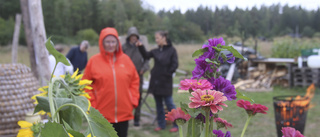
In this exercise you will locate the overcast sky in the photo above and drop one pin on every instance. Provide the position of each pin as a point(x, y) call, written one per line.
point(184, 5)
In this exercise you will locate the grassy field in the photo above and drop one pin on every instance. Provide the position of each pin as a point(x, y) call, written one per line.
point(260, 126)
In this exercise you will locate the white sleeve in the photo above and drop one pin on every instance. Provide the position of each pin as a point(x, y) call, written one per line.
point(69, 69)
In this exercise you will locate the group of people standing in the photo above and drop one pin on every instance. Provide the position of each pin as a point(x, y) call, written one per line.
point(117, 75)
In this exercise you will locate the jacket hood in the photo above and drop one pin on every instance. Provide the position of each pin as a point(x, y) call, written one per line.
point(132, 31)
point(105, 32)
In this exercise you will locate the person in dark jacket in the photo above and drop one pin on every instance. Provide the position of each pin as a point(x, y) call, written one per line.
point(78, 56)
point(165, 64)
point(141, 64)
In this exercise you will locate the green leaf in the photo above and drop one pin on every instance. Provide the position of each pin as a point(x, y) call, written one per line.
point(66, 125)
point(73, 117)
point(199, 52)
point(43, 104)
point(242, 96)
point(62, 101)
point(100, 126)
point(57, 55)
point(53, 130)
point(82, 102)
point(197, 125)
point(75, 133)
point(193, 112)
point(234, 52)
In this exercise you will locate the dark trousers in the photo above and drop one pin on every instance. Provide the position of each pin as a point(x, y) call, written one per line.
point(138, 109)
point(121, 128)
point(160, 109)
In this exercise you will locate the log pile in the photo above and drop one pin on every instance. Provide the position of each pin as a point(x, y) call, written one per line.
point(263, 79)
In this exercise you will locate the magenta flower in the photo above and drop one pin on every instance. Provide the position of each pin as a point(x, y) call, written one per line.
point(212, 99)
point(187, 84)
point(222, 123)
point(252, 109)
point(202, 84)
point(290, 132)
point(176, 114)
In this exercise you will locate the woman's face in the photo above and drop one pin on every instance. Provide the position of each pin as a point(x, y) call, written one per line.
point(110, 44)
point(160, 40)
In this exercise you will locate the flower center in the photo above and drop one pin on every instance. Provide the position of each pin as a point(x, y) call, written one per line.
point(207, 98)
point(199, 83)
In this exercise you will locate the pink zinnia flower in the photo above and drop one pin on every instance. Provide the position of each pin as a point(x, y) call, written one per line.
point(212, 99)
point(222, 123)
point(290, 132)
point(252, 109)
point(175, 114)
point(187, 84)
point(202, 84)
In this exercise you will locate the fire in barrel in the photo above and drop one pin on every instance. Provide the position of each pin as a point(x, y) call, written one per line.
point(291, 111)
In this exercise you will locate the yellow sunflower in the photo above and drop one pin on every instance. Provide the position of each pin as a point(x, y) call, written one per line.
point(25, 130)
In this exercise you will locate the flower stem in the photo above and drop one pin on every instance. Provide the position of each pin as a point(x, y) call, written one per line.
point(193, 126)
point(180, 130)
point(207, 123)
point(246, 125)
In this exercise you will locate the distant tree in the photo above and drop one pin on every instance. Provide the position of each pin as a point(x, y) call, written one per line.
point(308, 32)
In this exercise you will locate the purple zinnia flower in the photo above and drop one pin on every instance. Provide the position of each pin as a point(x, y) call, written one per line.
point(203, 118)
point(230, 58)
point(202, 66)
point(224, 86)
point(213, 43)
point(219, 133)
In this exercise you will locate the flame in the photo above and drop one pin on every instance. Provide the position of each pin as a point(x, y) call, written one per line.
point(294, 107)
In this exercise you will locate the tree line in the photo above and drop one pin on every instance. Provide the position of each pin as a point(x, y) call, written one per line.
point(70, 21)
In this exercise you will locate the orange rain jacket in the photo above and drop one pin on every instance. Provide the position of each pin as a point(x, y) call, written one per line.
point(115, 83)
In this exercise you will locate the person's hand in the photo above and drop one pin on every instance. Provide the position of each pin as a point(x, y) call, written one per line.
point(138, 43)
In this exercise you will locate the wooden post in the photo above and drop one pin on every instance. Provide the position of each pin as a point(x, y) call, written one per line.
point(39, 37)
point(15, 41)
point(28, 36)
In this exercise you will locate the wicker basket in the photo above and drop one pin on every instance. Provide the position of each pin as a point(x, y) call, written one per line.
point(17, 86)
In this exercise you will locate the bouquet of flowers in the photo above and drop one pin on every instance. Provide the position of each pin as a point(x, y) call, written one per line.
point(209, 94)
point(66, 104)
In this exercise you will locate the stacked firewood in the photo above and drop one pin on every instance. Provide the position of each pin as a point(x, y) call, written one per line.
point(263, 79)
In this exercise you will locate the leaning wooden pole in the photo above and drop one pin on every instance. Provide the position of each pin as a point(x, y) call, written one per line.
point(39, 37)
point(28, 36)
point(15, 40)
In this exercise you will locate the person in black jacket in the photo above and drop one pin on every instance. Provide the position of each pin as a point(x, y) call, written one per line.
point(78, 56)
point(141, 64)
point(165, 64)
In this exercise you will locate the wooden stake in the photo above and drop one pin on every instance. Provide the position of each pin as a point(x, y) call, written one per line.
point(28, 36)
point(15, 40)
point(39, 37)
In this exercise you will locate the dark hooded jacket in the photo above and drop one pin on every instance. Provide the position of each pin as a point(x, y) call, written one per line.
point(115, 82)
point(132, 51)
point(165, 64)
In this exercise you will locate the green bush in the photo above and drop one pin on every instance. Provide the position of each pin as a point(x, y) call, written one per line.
point(307, 32)
point(88, 34)
point(291, 48)
point(6, 31)
point(316, 35)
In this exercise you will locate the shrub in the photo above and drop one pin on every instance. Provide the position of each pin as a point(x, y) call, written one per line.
point(6, 33)
point(88, 34)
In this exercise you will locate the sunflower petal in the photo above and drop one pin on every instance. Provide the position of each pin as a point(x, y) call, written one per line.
point(88, 87)
point(24, 124)
point(85, 82)
point(75, 73)
point(25, 133)
point(79, 76)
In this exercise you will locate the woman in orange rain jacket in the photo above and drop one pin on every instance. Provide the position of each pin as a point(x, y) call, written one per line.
point(115, 83)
